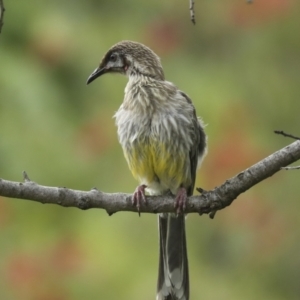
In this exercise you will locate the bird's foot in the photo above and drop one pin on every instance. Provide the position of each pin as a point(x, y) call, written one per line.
point(180, 201)
point(139, 196)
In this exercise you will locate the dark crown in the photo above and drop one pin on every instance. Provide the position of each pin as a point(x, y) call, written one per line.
point(142, 59)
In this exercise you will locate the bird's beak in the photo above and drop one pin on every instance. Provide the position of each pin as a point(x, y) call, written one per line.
point(98, 72)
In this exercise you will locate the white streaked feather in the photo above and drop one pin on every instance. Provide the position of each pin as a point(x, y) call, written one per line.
point(173, 122)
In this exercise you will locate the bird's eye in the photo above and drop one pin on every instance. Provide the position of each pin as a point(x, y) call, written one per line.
point(113, 57)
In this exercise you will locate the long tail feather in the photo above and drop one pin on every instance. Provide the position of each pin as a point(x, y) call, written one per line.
point(173, 274)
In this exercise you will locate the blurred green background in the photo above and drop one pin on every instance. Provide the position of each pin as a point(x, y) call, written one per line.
point(241, 66)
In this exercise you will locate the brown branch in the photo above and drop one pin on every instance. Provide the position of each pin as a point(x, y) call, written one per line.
point(209, 202)
point(2, 10)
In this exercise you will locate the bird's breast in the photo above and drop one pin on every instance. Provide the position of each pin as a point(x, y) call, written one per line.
point(156, 147)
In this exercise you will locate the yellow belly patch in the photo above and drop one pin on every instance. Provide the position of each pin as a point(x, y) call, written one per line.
point(155, 162)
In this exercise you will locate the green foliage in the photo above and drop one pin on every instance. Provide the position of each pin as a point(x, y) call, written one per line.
point(240, 65)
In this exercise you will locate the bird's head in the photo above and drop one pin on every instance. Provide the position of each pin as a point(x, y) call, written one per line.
point(131, 59)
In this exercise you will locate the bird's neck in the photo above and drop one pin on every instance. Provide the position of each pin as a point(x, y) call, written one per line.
point(137, 94)
point(138, 71)
point(134, 78)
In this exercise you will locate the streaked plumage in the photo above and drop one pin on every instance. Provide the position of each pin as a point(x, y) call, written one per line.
point(163, 142)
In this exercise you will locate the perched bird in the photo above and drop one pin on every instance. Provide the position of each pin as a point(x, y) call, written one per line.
point(163, 142)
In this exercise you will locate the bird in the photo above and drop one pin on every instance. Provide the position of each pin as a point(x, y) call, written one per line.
point(163, 142)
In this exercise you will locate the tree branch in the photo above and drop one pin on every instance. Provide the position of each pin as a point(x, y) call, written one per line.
point(192, 11)
point(2, 10)
point(209, 202)
point(287, 134)
point(293, 137)
point(291, 168)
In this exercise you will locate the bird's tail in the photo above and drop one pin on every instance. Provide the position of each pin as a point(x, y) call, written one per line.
point(173, 273)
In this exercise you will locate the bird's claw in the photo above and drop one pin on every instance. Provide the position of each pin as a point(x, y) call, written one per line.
point(139, 196)
point(180, 201)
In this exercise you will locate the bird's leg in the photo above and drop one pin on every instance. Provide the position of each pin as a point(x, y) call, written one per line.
point(180, 201)
point(139, 196)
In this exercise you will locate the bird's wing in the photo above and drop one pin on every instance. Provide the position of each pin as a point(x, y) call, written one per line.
point(197, 150)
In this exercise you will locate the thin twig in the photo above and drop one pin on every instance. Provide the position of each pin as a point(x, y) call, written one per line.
point(293, 137)
point(207, 203)
point(291, 168)
point(2, 10)
point(26, 177)
point(287, 134)
point(192, 11)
